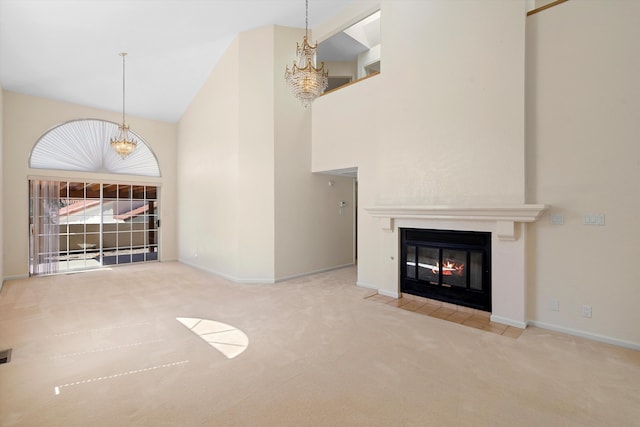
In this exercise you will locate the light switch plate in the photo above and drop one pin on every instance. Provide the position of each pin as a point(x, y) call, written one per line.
point(593, 219)
point(557, 219)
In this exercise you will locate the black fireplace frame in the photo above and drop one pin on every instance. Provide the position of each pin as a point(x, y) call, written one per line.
point(469, 241)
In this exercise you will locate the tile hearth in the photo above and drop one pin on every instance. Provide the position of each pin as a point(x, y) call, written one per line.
point(452, 313)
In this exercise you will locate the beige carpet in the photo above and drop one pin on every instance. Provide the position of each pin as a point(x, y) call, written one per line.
point(104, 348)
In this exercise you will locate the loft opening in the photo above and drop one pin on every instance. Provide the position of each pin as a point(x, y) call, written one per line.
point(352, 54)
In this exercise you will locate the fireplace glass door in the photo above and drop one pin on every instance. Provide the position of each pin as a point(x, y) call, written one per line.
point(450, 266)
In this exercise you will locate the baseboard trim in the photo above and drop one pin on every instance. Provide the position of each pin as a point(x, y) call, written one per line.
point(322, 270)
point(16, 277)
point(227, 276)
point(391, 294)
point(584, 334)
point(254, 281)
point(366, 285)
point(269, 281)
point(507, 321)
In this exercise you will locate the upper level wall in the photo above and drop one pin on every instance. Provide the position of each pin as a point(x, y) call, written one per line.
point(249, 204)
point(444, 121)
point(442, 124)
point(342, 69)
point(311, 232)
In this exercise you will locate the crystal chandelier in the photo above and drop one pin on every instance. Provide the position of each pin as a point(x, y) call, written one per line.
point(305, 80)
point(123, 144)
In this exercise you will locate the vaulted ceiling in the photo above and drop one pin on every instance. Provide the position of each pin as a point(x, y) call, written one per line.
point(68, 49)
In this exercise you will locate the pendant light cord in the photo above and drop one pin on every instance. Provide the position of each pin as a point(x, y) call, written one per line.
point(123, 54)
point(306, 19)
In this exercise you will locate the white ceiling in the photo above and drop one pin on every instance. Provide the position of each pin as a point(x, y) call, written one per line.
point(68, 49)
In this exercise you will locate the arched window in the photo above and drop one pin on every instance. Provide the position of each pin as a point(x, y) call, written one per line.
point(86, 223)
point(84, 145)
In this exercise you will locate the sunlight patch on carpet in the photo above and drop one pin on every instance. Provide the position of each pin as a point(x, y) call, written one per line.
point(228, 340)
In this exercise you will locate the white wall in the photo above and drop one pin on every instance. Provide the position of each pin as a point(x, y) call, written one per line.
point(254, 212)
point(446, 127)
point(1, 188)
point(226, 163)
point(540, 3)
point(208, 154)
point(442, 124)
point(583, 156)
point(367, 58)
point(312, 233)
point(342, 69)
point(256, 194)
point(25, 119)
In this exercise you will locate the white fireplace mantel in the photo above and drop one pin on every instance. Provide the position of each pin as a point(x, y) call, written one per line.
point(505, 216)
point(508, 247)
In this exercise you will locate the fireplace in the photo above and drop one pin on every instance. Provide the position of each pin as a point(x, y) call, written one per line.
point(446, 265)
point(506, 224)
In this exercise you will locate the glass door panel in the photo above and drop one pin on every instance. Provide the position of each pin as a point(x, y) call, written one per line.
point(78, 225)
point(476, 270)
point(453, 268)
point(44, 229)
point(428, 264)
point(411, 262)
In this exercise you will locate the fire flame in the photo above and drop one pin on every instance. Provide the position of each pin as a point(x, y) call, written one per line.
point(449, 268)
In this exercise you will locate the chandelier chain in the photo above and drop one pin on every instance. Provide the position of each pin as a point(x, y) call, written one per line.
point(123, 54)
point(123, 144)
point(305, 80)
point(306, 18)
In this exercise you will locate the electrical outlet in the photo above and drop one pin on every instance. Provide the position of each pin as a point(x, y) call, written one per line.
point(586, 311)
point(555, 305)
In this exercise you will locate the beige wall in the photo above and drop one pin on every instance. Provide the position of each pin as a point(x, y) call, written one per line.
point(1, 187)
point(447, 128)
point(540, 3)
point(256, 188)
point(208, 135)
point(342, 69)
point(226, 166)
point(444, 127)
point(25, 119)
point(311, 232)
point(583, 157)
point(250, 208)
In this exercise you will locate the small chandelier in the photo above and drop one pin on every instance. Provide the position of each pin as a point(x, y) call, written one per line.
point(305, 80)
point(123, 144)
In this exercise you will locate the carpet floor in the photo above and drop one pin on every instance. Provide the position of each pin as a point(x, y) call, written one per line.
point(105, 348)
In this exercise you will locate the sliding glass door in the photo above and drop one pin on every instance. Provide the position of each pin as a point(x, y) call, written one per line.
point(77, 225)
point(129, 224)
point(44, 244)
